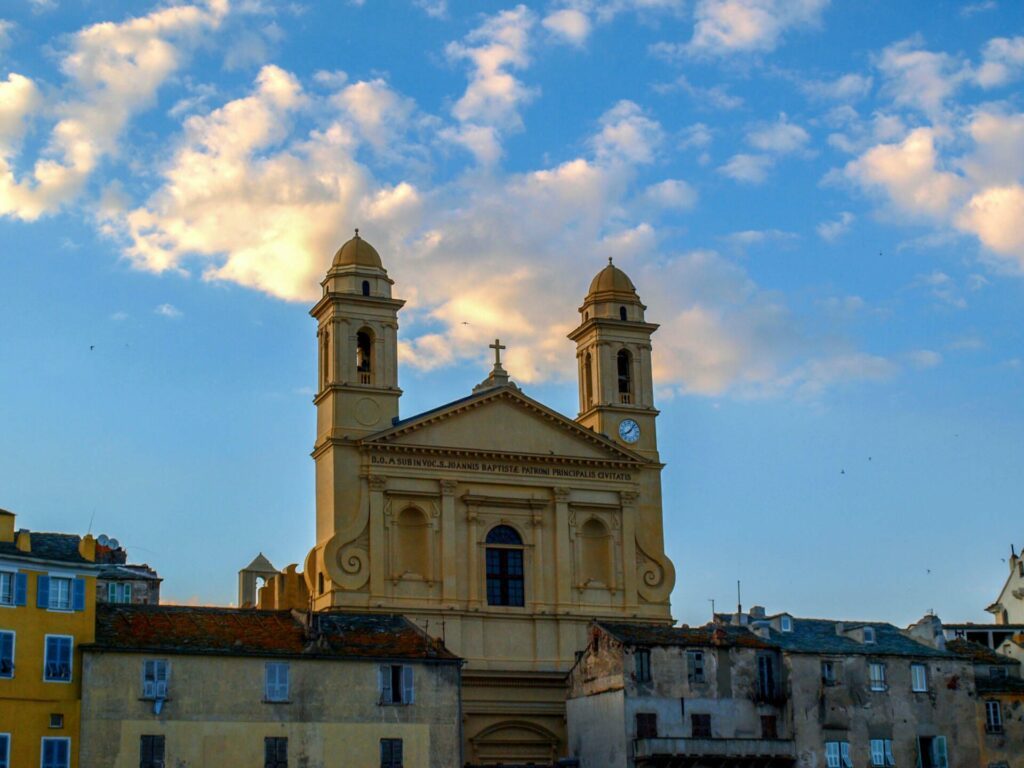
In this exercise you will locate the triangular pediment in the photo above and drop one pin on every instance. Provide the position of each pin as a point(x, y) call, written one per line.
point(506, 421)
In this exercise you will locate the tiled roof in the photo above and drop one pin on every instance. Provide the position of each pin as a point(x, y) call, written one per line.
point(252, 632)
point(708, 635)
point(128, 573)
point(820, 636)
point(978, 653)
point(970, 626)
point(62, 547)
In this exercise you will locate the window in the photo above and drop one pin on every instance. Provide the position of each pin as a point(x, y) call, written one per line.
point(504, 567)
point(366, 287)
point(642, 662)
point(7, 654)
point(837, 754)
point(276, 681)
point(918, 677)
point(119, 593)
point(997, 673)
point(828, 673)
point(695, 666)
point(364, 356)
point(60, 593)
point(622, 313)
point(876, 673)
point(588, 380)
point(931, 752)
point(56, 753)
point(151, 752)
point(993, 717)
point(786, 622)
point(624, 366)
point(646, 725)
point(769, 727)
point(5, 750)
point(154, 678)
point(869, 634)
point(13, 588)
point(766, 689)
point(57, 663)
point(56, 720)
point(700, 726)
point(395, 684)
point(275, 752)
point(390, 753)
point(881, 753)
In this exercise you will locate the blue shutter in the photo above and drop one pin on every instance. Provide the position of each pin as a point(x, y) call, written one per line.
point(78, 594)
point(20, 588)
point(43, 592)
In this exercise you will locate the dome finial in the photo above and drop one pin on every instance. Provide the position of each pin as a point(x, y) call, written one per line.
point(609, 258)
point(357, 233)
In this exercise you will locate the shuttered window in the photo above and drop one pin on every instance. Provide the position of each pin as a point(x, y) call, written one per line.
point(151, 751)
point(276, 681)
point(7, 654)
point(275, 752)
point(57, 659)
point(154, 678)
point(390, 753)
point(395, 684)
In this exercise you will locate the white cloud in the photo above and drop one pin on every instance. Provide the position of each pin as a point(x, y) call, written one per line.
point(569, 24)
point(671, 194)
point(836, 228)
point(6, 27)
point(723, 27)
point(996, 216)
point(627, 134)
point(494, 95)
point(166, 310)
point(114, 71)
point(920, 79)
point(379, 114)
point(1002, 62)
point(943, 288)
point(716, 96)
point(924, 358)
point(19, 99)
point(849, 87)
point(750, 237)
point(781, 137)
point(437, 9)
point(746, 168)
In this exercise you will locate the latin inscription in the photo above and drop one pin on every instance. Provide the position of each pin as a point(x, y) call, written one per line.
point(498, 467)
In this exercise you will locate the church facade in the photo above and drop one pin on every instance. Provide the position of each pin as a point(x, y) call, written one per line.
point(492, 521)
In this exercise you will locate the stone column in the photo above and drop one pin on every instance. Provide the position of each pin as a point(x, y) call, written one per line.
point(449, 556)
point(629, 587)
point(377, 485)
point(472, 513)
point(563, 554)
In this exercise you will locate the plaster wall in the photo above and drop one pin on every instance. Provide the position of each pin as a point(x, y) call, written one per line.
point(215, 713)
point(597, 731)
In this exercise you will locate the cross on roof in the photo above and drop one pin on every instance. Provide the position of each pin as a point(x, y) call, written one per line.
point(497, 346)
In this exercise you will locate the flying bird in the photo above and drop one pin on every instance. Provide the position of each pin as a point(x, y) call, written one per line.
point(92, 347)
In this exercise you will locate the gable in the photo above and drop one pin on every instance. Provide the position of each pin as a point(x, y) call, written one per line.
point(502, 422)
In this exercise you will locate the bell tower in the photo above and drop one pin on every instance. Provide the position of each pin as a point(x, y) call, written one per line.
point(613, 352)
point(357, 338)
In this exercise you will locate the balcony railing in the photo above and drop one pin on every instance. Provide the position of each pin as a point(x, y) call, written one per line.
point(364, 377)
point(720, 748)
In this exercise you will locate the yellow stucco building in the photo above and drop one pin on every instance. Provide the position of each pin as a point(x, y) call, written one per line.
point(47, 612)
point(492, 520)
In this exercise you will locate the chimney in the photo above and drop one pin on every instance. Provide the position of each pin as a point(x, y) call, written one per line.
point(24, 541)
point(6, 526)
point(928, 630)
point(87, 547)
point(757, 612)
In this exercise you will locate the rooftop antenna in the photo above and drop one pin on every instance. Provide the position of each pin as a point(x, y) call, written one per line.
point(739, 602)
point(712, 601)
point(93, 517)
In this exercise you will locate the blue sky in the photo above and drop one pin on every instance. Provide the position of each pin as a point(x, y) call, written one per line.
point(821, 203)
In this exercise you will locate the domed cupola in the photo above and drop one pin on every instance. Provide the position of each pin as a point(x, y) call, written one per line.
point(612, 296)
point(357, 268)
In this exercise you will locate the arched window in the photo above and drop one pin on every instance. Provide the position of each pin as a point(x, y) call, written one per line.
point(364, 356)
point(622, 313)
point(588, 381)
point(595, 554)
point(504, 566)
point(624, 363)
point(413, 542)
point(366, 287)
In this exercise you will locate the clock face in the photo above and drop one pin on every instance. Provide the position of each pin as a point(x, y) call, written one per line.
point(629, 430)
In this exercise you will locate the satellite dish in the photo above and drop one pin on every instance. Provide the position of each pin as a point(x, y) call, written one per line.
point(113, 543)
point(103, 540)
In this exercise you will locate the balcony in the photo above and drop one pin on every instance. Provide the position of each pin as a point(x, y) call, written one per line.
point(681, 752)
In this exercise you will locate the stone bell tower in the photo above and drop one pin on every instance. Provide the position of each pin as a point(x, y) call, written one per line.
point(357, 336)
point(613, 353)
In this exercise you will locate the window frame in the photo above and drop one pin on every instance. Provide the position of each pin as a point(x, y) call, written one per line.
point(695, 668)
point(869, 636)
point(837, 754)
point(704, 718)
point(993, 724)
point(50, 602)
point(272, 691)
point(510, 586)
point(14, 647)
point(391, 762)
point(386, 678)
point(152, 762)
point(881, 753)
point(831, 679)
point(165, 664)
point(918, 669)
point(71, 658)
point(642, 665)
point(786, 623)
point(877, 683)
point(54, 739)
point(649, 729)
point(12, 577)
point(5, 753)
point(275, 761)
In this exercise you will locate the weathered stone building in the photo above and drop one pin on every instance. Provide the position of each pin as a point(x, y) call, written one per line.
point(776, 690)
point(119, 581)
point(675, 696)
point(210, 687)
